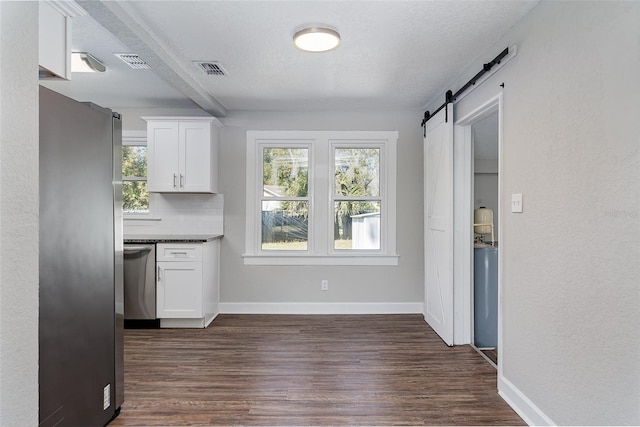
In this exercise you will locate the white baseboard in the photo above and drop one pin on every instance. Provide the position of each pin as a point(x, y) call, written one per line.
point(524, 407)
point(320, 308)
point(182, 323)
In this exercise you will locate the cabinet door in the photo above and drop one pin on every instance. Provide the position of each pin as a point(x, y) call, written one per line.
point(163, 154)
point(54, 41)
point(179, 290)
point(195, 157)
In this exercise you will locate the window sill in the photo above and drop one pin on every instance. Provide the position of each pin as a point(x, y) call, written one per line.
point(140, 217)
point(356, 259)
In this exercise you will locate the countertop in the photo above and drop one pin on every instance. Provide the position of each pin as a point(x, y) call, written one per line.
point(170, 238)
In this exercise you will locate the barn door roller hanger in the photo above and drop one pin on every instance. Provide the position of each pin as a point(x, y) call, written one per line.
point(451, 97)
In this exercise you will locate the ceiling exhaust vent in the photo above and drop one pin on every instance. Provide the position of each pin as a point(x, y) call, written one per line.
point(211, 68)
point(133, 61)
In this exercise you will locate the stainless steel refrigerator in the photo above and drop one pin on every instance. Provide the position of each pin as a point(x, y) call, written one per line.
point(81, 378)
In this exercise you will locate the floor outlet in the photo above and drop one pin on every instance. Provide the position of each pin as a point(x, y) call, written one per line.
point(325, 285)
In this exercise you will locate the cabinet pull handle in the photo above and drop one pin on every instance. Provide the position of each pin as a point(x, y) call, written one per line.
point(178, 253)
point(181, 181)
point(175, 177)
point(159, 276)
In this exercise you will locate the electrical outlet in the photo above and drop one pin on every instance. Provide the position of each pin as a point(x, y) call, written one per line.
point(325, 285)
point(106, 396)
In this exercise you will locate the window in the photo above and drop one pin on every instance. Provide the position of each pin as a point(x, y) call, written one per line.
point(285, 198)
point(356, 197)
point(135, 197)
point(317, 197)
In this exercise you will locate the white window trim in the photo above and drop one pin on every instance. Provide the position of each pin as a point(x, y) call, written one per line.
point(259, 146)
point(138, 138)
point(383, 197)
point(320, 247)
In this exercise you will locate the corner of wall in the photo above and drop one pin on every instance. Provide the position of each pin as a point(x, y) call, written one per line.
point(521, 404)
point(19, 272)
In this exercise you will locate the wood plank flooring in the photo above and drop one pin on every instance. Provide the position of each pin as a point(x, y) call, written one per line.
point(491, 354)
point(307, 370)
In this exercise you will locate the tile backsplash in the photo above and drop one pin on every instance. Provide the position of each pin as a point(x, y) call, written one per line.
point(180, 214)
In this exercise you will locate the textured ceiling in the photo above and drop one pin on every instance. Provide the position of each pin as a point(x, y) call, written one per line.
point(393, 55)
point(119, 85)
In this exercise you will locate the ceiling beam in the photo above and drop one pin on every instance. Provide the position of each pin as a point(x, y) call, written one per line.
point(112, 16)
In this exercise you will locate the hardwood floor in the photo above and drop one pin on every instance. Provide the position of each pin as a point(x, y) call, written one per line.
point(307, 370)
point(492, 355)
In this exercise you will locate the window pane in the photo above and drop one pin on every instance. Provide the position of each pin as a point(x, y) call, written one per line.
point(134, 160)
point(357, 172)
point(285, 225)
point(285, 172)
point(357, 225)
point(135, 197)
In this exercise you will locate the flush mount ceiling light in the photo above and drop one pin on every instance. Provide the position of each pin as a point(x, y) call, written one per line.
point(316, 39)
point(83, 62)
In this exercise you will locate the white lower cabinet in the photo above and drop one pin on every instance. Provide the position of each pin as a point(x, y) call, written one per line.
point(179, 290)
point(187, 280)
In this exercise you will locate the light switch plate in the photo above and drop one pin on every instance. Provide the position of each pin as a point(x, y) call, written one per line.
point(516, 203)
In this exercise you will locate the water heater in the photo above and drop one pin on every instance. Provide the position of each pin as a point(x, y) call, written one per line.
point(483, 221)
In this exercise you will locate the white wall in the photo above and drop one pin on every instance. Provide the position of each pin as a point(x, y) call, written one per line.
point(485, 167)
point(384, 285)
point(485, 190)
point(18, 213)
point(180, 214)
point(570, 272)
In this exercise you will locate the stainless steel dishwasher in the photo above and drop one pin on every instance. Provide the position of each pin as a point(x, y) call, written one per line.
point(139, 281)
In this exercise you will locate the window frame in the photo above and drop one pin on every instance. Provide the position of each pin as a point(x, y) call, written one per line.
point(261, 198)
point(320, 246)
point(136, 139)
point(381, 197)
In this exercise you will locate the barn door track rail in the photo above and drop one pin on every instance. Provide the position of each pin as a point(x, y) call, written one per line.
point(451, 97)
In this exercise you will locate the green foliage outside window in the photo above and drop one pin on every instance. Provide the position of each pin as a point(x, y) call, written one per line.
point(286, 174)
point(287, 170)
point(285, 177)
point(135, 197)
point(357, 174)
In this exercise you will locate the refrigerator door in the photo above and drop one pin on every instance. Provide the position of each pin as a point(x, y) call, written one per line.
point(119, 259)
point(77, 263)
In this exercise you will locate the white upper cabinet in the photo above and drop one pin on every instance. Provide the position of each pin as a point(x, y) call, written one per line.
point(182, 154)
point(55, 38)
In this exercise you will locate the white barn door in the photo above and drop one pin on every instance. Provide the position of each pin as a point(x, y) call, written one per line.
point(438, 223)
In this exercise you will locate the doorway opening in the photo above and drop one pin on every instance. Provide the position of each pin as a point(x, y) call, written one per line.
point(477, 166)
point(485, 243)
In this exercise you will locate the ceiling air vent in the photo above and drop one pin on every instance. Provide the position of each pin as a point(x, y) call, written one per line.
point(133, 61)
point(211, 68)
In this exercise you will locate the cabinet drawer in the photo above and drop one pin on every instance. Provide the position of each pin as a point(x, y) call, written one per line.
point(179, 252)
